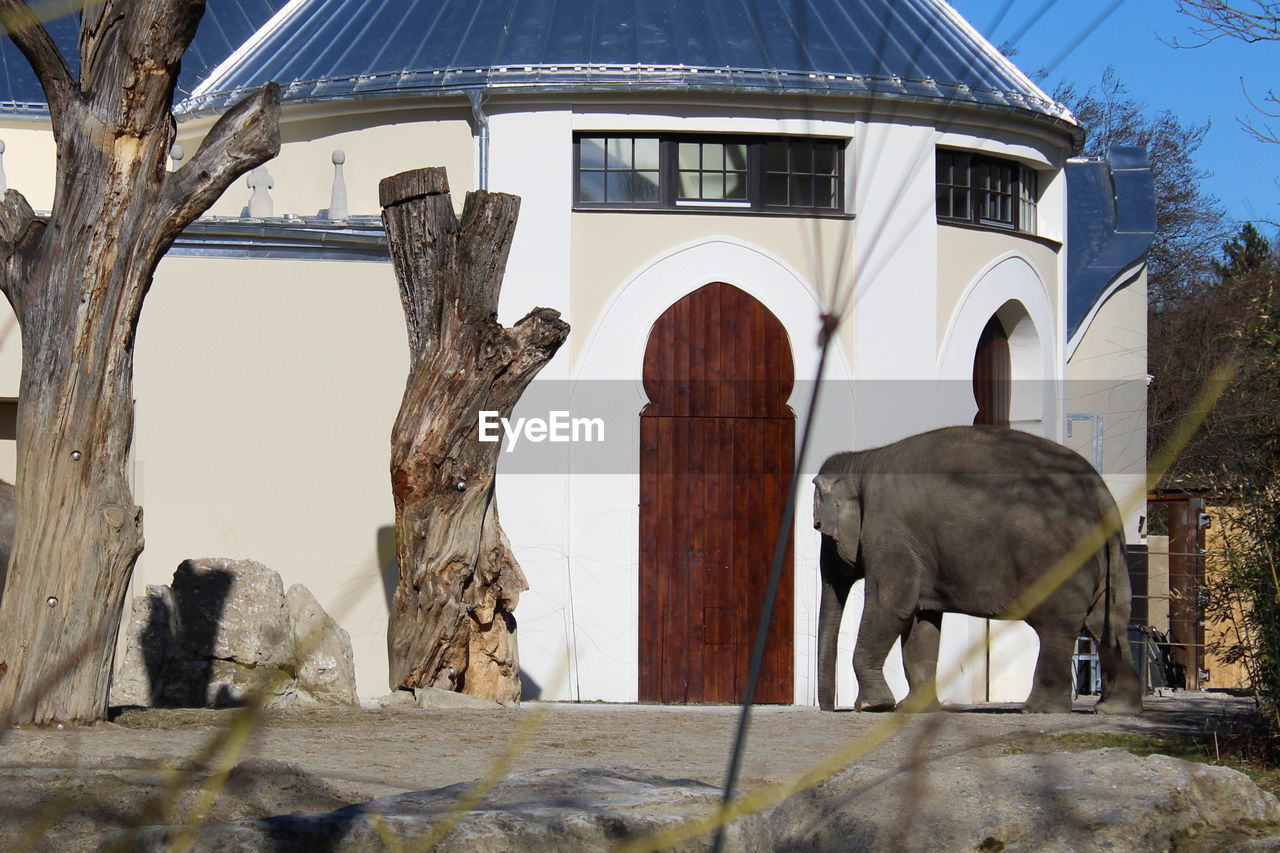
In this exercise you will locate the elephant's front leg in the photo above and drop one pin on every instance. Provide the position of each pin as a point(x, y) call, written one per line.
point(879, 628)
point(836, 582)
point(920, 659)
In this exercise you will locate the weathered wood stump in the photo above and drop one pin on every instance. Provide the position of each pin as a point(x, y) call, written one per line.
point(76, 280)
point(451, 622)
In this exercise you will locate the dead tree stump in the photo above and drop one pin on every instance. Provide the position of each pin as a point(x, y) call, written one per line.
point(76, 280)
point(451, 619)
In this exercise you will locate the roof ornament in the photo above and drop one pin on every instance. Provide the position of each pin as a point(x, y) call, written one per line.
point(4, 180)
point(260, 204)
point(338, 195)
point(176, 153)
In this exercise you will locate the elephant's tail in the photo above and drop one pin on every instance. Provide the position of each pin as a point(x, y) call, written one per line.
point(1108, 618)
point(1108, 622)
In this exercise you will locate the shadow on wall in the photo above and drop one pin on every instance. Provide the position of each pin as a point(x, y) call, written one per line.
point(529, 689)
point(199, 616)
point(387, 562)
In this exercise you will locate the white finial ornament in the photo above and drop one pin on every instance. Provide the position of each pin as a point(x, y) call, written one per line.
point(260, 204)
point(338, 195)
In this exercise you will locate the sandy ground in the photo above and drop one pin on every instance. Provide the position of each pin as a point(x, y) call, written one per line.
point(63, 789)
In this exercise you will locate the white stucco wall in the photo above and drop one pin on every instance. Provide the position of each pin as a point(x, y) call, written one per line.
point(1107, 377)
point(376, 145)
point(266, 392)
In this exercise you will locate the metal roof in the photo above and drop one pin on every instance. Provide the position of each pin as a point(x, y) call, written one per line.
point(1111, 221)
point(915, 49)
point(226, 25)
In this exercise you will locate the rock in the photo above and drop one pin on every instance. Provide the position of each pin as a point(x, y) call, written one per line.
point(225, 629)
point(232, 610)
point(437, 697)
point(1102, 800)
point(398, 700)
point(326, 669)
point(137, 678)
point(543, 810)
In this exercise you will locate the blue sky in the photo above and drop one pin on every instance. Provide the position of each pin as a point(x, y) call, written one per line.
point(1077, 39)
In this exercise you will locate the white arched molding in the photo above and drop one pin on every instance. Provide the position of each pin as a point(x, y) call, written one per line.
point(604, 522)
point(1012, 289)
point(980, 661)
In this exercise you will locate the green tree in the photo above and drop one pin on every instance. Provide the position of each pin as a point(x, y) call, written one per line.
point(1247, 252)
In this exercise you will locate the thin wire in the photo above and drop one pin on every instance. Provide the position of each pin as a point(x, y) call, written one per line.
point(829, 324)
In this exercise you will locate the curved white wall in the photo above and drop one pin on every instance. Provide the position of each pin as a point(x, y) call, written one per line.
point(982, 659)
point(595, 628)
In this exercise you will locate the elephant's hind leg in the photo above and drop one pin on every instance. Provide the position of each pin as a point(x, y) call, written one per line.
point(1121, 688)
point(920, 659)
point(1051, 684)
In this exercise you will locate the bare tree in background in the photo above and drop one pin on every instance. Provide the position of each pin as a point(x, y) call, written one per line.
point(1190, 224)
point(76, 281)
point(1250, 21)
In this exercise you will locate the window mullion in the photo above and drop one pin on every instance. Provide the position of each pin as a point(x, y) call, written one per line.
point(755, 174)
point(667, 170)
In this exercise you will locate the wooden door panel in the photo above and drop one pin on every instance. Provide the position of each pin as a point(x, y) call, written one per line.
point(717, 443)
point(993, 375)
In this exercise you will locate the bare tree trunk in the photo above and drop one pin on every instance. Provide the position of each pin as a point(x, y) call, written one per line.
point(76, 282)
point(451, 620)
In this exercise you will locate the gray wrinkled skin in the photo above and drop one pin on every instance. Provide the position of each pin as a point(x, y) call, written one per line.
point(965, 520)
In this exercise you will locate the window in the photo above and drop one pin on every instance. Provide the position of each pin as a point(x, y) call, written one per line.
point(724, 172)
point(985, 191)
point(712, 172)
point(619, 170)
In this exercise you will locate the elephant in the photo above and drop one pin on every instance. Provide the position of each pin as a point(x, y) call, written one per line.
point(964, 520)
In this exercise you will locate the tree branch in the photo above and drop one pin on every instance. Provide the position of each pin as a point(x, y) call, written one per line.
point(247, 136)
point(18, 225)
point(1220, 19)
point(29, 34)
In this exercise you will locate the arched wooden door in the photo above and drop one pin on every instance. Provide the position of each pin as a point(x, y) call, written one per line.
point(717, 442)
point(993, 375)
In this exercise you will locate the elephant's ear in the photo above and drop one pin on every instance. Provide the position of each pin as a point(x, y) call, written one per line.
point(824, 505)
point(837, 513)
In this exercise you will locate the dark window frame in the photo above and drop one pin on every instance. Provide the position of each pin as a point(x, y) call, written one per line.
point(757, 174)
point(986, 192)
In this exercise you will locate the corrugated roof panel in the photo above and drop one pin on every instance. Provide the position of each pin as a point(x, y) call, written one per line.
point(225, 26)
point(896, 48)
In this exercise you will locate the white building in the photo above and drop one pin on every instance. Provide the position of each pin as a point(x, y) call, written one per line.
point(699, 183)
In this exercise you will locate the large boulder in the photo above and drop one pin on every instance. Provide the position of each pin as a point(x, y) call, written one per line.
point(226, 628)
point(1107, 799)
point(541, 810)
point(1100, 800)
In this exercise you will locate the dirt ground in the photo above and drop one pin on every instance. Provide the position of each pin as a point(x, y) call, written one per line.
point(63, 789)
